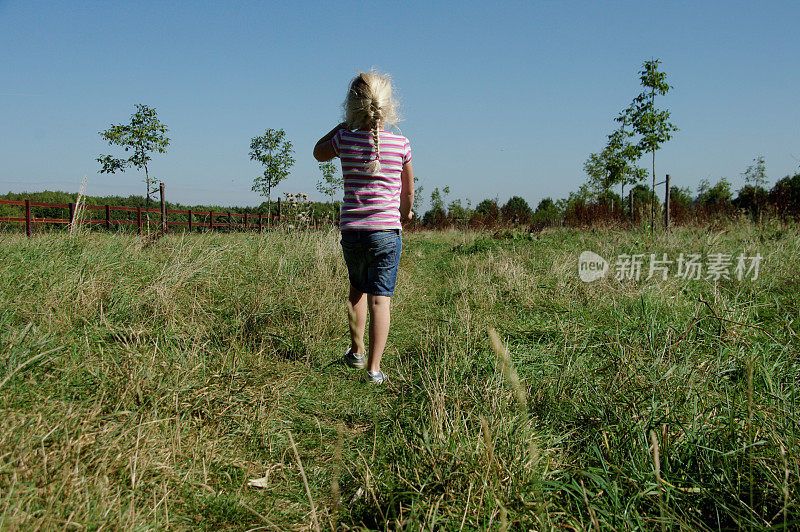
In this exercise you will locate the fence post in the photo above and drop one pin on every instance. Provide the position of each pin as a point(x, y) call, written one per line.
point(230, 222)
point(71, 213)
point(108, 217)
point(139, 219)
point(245, 222)
point(190, 220)
point(210, 220)
point(259, 222)
point(666, 206)
point(630, 204)
point(163, 208)
point(28, 217)
point(279, 212)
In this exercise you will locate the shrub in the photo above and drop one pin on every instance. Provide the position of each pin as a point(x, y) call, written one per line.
point(516, 211)
point(785, 196)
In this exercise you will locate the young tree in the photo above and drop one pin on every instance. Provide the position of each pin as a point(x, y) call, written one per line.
point(144, 135)
point(756, 177)
point(275, 153)
point(418, 189)
point(437, 214)
point(330, 183)
point(615, 164)
point(650, 123)
point(458, 213)
point(438, 198)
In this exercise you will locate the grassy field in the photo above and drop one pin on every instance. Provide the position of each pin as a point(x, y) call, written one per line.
point(144, 386)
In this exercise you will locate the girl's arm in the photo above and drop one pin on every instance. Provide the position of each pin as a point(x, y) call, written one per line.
point(406, 192)
point(323, 151)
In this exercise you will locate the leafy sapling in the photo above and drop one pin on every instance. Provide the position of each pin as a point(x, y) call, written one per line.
point(651, 124)
point(615, 164)
point(331, 183)
point(756, 177)
point(274, 151)
point(144, 135)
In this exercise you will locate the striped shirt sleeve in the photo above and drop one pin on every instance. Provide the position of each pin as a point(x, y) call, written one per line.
point(335, 140)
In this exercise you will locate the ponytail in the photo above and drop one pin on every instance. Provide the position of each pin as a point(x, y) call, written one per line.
point(374, 166)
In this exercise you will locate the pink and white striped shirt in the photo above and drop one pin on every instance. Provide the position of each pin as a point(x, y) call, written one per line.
point(371, 201)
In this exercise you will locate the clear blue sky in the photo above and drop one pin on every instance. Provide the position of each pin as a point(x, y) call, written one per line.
point(497, 101)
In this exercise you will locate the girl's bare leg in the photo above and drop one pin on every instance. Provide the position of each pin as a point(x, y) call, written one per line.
point(357, 319)
point(379, 317)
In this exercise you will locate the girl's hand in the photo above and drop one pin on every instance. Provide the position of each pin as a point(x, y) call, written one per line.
point(323, 151)
point(406, 192)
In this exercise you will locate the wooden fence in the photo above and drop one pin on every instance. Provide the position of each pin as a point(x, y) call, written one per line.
point(212, 220)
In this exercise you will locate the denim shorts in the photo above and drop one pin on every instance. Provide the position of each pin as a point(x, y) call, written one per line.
point(372, 258)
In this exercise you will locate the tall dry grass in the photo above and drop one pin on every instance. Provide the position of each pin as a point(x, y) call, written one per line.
point(143, 387)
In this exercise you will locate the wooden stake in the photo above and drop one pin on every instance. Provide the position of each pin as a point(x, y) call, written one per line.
point(163, 208)
point(666, 206)
point(28, 217)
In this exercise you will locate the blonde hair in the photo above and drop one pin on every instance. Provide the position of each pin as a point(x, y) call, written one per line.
point(369, 105)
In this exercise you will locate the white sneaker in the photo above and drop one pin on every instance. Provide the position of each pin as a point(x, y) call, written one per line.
point(355, 360)
point(376, 377)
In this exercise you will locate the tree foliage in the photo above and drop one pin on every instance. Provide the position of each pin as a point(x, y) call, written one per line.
point(650, 123)
point(754, 195)
point(458, 213)
point(437, 215)
point(488, 208)
point(616, 163)
point(680, 196)
point(785, 196)
point(438, 198)
point(547, 213)
point(274, 152)
point(516, 210)
point(717, 198)
point(142, 136)
point(418, 191)
point(331, 183)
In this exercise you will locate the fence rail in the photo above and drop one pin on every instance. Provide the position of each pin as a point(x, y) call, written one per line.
point(213, 220)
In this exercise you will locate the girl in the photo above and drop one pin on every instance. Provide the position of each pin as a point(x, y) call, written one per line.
point(378, 194)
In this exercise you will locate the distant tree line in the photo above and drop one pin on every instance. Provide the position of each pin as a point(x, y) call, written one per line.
point(590, 205)
point(586, 207)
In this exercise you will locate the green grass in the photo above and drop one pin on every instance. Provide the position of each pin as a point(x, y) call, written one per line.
point(143, 386)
